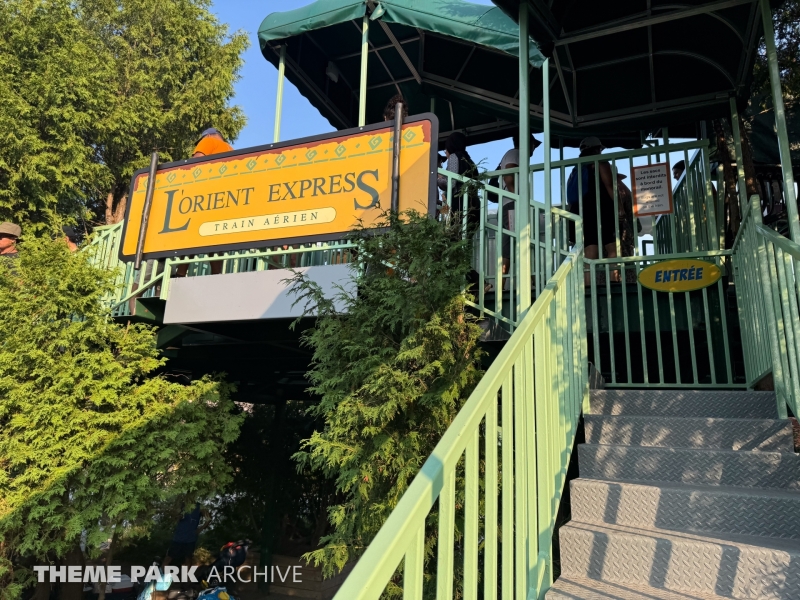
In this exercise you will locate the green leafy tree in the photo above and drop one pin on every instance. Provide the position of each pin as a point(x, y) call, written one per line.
point(393, 364)
point(92, 442)
point(88, 88)
point(53, 93)
point(786, 22)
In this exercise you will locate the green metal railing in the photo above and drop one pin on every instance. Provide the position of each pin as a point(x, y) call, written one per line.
point(153, 279)
point(489, 234)
point(506, 453)
point(693, 226)
point(496, 296)
point(768, 291)
point(640, 337)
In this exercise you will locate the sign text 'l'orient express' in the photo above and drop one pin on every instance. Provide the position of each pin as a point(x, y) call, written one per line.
point(302, 191)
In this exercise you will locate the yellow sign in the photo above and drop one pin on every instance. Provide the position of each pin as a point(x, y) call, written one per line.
point(680, 275)
point(297, 192)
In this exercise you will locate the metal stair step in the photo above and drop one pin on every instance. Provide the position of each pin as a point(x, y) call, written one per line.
point(699, 509)
point(691, 466)
point(741, 567)
point(680, 403)
point(770, 435)
point(580, 588)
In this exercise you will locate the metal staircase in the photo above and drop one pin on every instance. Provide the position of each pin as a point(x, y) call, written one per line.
point(683, 494)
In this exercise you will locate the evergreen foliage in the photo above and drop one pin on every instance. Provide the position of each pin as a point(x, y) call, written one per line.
point(88, 88)
point(92, 441)
point(393, 364)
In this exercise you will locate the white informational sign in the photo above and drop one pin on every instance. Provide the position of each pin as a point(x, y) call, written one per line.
point(652, 191)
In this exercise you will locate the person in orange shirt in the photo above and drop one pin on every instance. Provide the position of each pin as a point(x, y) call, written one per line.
point(211, 142)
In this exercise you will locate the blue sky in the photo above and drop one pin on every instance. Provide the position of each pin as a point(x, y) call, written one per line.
point(256, 90)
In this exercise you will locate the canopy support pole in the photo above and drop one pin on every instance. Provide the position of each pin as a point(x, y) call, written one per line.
point(548, 200)
point(362, 92)
point(737, 146)
point(780, 122)
point(522, 214)
point(276, 132)
point(148, 202)
point(398, 131)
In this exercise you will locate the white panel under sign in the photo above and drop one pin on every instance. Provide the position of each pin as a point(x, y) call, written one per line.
point(247, 296)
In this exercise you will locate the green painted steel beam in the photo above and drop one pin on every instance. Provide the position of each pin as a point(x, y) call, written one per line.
point(548, 171)
point(276, 132)
point(780, 122)
point(737, 145)
point(522, 212)
point(362, 89)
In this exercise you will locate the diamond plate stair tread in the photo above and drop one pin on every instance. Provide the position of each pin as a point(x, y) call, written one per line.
point(677, 403)
point(742, 567)
point(767, 435)
point(580, 588)
point(690, 465)
point(701, 509)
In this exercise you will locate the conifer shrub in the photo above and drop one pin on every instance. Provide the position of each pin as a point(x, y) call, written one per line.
point(393, 363)
point(93, 442)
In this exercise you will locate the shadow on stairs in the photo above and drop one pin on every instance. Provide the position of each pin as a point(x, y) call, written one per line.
point(683, 495)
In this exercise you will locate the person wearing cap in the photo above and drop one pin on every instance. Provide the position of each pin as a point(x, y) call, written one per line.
point(508, 182)
point(211, 142)
point(606, 217)
point(71, 237)
point(9, 234)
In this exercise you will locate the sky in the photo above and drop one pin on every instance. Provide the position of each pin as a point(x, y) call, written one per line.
point(257, 88)
point(255, 93)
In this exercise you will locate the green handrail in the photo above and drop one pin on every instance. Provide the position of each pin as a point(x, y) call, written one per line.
point(693, 224)
point(521, 420)
point(768, 290)
point(153, 279)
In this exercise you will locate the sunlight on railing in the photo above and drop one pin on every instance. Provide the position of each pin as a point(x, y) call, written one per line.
point(768, 292)
point(505, 457)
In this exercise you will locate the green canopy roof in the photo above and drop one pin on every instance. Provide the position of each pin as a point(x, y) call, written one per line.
point(323, 13)
point(644, 64)
point(454, 57)
point(476, 23)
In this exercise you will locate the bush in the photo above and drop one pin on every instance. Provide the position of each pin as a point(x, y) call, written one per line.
point(392, 368)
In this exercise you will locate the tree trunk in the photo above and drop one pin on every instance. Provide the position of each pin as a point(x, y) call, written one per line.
point(72, 591)
point(115, 208)
point(750, 181)
point(730, 177)
point(109, 559)
point(109, 208)
point(42, 591)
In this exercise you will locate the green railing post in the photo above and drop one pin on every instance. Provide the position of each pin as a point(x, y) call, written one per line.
point(522, 214)
point(768, 288)
point(737, 144)
point(548, 200)
point(780, 122)
point(362, 90)
point(276, 132)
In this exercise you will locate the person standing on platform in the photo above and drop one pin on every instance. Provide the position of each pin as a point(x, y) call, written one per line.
point(211, 142)
point(185, 537)
point(597, 209)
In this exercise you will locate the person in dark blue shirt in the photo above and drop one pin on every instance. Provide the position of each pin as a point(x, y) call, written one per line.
point(184, 539)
